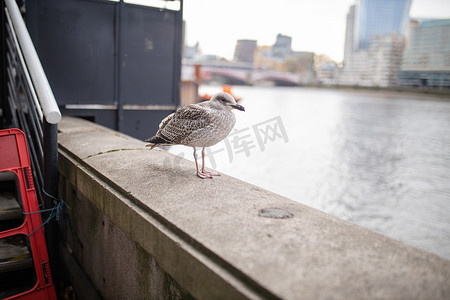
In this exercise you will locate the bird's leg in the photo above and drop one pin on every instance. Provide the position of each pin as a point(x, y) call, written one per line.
point(199, 174)
point(204, 172)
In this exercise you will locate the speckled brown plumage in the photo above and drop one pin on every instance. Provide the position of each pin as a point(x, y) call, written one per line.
point(198, 125)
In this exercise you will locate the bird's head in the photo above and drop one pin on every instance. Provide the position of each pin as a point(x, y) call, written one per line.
point(223, 99)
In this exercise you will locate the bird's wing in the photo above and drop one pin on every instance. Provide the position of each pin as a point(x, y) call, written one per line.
point(164, 122)
point(184, 122)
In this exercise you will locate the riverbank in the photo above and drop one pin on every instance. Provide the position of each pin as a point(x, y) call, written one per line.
point(443, 94)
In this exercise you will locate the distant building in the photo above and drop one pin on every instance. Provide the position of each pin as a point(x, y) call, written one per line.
point(301, 63)
point(374, 42)
point(426, 62)
point(384, 59)
point(263, 59)
point(412, 24)
point(349, 36)
point(244, 51)
point(380, 17)
point(326, 73)
point(274, 57)
point(326, 70)
point(280, 57)
point(282, 46)
point(191, 51)
point(188, 51)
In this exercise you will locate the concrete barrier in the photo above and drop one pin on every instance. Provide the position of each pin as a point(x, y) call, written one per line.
point(145, 227)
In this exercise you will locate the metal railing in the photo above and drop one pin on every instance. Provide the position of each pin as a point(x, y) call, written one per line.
point(31, 103)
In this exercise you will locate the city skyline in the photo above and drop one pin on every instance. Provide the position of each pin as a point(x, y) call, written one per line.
point(375, 41)
point(315, 26)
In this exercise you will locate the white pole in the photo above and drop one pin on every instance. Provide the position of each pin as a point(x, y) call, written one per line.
point(43, 90)
point(25, 70)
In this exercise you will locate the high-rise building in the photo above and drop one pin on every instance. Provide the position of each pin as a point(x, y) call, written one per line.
point(349, 35)
point(374, 42)
point(244, 51)
point(426, 62)
point(384, 59)
point(380, 17)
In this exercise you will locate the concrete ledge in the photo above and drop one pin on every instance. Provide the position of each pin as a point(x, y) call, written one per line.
point(138, 215)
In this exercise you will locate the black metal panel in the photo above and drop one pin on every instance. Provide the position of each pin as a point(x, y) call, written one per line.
point(75, 43)
point(109, 54)
point(148, 52)
point(143, 124)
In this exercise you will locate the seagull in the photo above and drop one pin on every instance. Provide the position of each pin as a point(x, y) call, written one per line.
point(198, 125)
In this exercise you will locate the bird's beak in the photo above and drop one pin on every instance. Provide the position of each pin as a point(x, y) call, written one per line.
point(237, 106)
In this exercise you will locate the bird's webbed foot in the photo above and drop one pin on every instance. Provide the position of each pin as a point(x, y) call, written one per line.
point(203, 175)
point(206, 174)
point(210, 173)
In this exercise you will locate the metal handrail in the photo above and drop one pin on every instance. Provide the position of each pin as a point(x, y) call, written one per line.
point(24, 66)
point(46, 98)
point(34, 110)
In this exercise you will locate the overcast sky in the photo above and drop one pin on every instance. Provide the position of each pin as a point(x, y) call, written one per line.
point(314, 25)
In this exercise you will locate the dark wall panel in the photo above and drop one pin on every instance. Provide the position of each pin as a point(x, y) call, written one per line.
point(75, 42)
point(143, 124)
point(148, 56)
point(110, 54)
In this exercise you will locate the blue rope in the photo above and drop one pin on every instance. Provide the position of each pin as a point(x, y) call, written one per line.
point(55, 211)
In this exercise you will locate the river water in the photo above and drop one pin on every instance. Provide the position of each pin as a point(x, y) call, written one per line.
point(377, 159)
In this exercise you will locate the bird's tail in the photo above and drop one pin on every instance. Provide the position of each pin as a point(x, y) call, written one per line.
point(152, 145)
point(156, 141)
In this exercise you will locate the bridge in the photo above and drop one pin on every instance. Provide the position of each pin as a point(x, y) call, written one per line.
point(241, 74)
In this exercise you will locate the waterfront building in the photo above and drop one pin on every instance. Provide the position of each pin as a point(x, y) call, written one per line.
point(380, 17)
point(374, 43)
point(244, 51)
point(280, 57)
point(385, 57)
point(301, 63)
point(263, 59)
point(349, 35)
point(426, 61)
point(274, 57)
point(191, 51)
point(326, 73)
point(282, 46)
point(349, 74)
